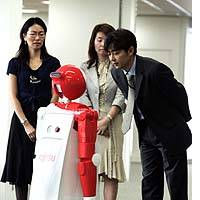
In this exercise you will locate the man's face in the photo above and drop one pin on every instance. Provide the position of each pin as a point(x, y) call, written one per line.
point(121, 59)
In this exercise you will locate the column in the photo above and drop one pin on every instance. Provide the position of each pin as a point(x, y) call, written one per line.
point(10, 19)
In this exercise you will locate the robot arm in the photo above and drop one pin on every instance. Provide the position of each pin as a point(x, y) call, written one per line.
point(87, 126)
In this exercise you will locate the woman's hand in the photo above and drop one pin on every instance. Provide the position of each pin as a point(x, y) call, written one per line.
point(30, 130)
point(102, 127)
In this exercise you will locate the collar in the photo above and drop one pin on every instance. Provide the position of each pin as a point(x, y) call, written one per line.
point(132, 69)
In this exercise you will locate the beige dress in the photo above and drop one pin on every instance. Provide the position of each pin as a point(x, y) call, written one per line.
point(111, 147)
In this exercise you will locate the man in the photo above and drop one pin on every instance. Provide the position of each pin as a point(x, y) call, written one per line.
point(160, 110)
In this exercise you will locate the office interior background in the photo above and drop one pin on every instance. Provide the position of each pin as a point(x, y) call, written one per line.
point(163, 29)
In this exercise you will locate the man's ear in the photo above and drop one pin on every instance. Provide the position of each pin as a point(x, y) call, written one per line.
point(131, 51)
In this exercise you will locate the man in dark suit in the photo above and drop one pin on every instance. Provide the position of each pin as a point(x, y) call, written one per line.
point(161, 114)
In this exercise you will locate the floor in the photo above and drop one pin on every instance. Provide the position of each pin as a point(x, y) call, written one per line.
point(131, 190)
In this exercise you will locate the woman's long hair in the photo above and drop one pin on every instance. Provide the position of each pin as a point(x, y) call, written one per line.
point(92, 54)
point(23, 53)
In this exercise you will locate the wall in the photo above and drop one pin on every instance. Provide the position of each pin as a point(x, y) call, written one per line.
point(71, 24)
point(10, 18)
point(166, 37)
point(128, 14)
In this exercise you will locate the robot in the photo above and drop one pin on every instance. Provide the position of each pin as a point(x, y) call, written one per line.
point(68, 81)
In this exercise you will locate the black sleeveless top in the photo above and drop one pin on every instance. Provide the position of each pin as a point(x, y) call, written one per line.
point(34, 86)
point(33, 91)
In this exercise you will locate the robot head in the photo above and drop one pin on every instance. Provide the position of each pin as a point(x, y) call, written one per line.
point(68, 81)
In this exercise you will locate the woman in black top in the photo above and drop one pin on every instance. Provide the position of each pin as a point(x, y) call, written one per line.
point(30, 88)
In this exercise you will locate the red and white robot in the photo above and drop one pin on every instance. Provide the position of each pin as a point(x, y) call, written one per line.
point(68, 81)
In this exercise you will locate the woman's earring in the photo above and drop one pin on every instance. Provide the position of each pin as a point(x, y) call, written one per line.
point(25, 42)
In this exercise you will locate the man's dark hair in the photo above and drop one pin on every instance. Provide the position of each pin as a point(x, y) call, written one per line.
point(121, 39)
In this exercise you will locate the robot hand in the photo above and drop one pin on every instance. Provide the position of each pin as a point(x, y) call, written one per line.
point(96, 159)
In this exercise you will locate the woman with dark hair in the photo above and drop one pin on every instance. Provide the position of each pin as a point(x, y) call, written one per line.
point(30, 89)
point(102, 95)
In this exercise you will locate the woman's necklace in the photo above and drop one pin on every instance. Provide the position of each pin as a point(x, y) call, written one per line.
point(34, 64)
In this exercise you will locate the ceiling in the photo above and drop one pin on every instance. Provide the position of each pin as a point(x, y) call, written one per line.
point(165, 7)
point(144, 7)
point(35, 5)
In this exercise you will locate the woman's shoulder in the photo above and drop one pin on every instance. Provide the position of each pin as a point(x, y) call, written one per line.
point(14, 66)
point(51, 58)
point(14, 60)
point(52, 63)
point(85, 65)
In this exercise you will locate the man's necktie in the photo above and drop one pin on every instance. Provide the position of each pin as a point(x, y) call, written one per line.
point(131, 81)
point(126, 125)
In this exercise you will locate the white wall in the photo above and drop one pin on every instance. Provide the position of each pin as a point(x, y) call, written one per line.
point(191, 84)
point(195, 75)
point(128, 15)
point(162, 38)
point(10, 18)
point(71, 24)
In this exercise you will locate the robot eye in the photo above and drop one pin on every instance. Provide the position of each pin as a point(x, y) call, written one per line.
point(57, 129)
point(55, 75)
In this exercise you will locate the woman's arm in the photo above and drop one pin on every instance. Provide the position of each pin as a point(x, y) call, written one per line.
point(118, 105)
point(30, 130)
point(54, 97)
point(103, 123)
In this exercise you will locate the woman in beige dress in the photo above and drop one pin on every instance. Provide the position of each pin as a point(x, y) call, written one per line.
point(103, 95)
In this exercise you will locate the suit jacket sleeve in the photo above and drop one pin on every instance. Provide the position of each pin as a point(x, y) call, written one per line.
point(119, 100)
point(172, 90)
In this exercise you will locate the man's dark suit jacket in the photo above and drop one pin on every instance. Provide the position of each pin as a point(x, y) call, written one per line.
point(162, 100)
